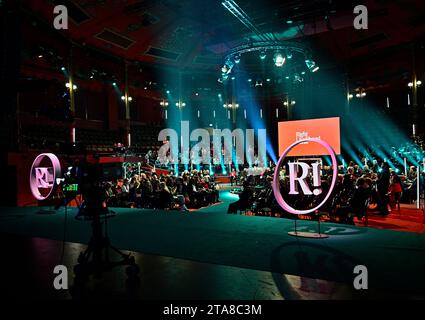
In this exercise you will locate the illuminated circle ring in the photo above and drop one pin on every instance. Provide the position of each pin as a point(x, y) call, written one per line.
point(56, 173)
point(276, 180)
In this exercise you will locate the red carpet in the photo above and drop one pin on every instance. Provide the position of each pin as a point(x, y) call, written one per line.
point(408, 219)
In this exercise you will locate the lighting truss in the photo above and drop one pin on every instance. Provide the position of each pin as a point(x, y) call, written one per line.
point(241, 15)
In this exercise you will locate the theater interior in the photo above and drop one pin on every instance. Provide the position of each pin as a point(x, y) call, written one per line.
point(213, 150)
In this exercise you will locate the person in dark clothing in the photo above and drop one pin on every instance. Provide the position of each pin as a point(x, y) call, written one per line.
point(360, 197)
point(383, 185)
point(243, 201)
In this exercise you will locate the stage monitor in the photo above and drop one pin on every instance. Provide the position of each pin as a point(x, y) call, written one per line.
point(326, 129)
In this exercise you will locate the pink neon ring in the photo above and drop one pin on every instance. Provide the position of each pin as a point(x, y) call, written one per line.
point(56, 173)
point(276, 181)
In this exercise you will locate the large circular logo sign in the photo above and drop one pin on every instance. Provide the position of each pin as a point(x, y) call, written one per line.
point(293, 177)
point(44, 171)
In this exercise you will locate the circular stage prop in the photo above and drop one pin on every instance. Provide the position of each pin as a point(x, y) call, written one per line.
point(285, 205)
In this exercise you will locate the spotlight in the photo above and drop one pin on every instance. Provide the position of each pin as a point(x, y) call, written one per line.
point(122, 98)
point(311, 65)
point(289, 54)
point(279, 59)
point(258, 83)
point(293, 102)
point(219, 95)
point(303, 72)
point(358, 95)
point(63, 69)
point(350, 96)
point(237, 58)
point(114, 84)
point(67, 85)
point(268, 79)
point(418, 83)
point(363, 94)
point(263, 55)
point(249, 80)
point(130, 99)
point(410, 84)
point(40, 56)
point(91, 77)
point(287, 77)
point(227, 67)
point(74, 87)
point(233, 78)
point(289, 22)
point(168, 91)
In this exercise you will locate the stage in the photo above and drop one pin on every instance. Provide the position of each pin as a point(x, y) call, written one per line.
point(247, 242)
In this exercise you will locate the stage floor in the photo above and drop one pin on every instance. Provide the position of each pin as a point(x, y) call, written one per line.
point(395, 260)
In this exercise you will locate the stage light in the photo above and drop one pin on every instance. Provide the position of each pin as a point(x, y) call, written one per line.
point(67, 85)
point(196, 94)
point(114, 84)
point(249, 80)
point(418, 83)
point(311, 65)
point(258, 83)
point(358, 95)
point(130, 99)
point(410, 84)
point(363, 94)
point(180, 104)
point(268, 79)
point(289, 22)
point(263, 55)
point(168, 91)
point(233, 78)
point(293, 102)
point(91, 77)
point(163, 103)
point(219, 95)
point(279, 59)
point(350, 96)
point(289, 54)
point(74, 87)
point(122, 98)
point(63, 69)
point(237, 58)
point(40, 56)
point(287, 77)
point(303, 72)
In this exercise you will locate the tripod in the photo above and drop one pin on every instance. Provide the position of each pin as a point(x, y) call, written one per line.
point(95, 259)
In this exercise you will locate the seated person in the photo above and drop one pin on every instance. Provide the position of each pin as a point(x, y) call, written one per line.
point(244, 198)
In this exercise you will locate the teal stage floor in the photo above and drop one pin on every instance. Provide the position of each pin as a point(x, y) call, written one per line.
point(395, 260)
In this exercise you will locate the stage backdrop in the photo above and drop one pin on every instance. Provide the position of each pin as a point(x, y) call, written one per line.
point(326, 129)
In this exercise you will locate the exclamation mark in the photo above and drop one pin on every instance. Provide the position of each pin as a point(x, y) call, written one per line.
point(316, 179)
